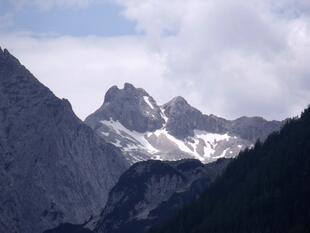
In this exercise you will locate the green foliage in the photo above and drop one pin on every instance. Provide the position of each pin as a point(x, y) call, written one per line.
point(266, 189)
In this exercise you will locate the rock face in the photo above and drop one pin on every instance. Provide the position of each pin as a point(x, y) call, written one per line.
point(183, 119)
point(53, 168)
point(132, 120)
point(253, 128)
point(151, 192)
point(132, 107)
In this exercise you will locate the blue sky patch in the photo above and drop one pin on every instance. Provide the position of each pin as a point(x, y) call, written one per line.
point(100, 19)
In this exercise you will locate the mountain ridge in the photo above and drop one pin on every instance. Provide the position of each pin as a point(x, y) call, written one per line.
point(132, 120)
point(150, 192)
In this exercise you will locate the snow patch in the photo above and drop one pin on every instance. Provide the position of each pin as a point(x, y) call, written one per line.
point(203, 146)
point(223, 154)
point(133, 135)
point(163, 115)
point(147, 101)
point(105, 133)
point(211, 137)
point(117, 143)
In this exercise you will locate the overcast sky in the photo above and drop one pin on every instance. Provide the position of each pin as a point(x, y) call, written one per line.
point(226, 57)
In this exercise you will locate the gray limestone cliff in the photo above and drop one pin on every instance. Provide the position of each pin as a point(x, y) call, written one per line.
point(53, 168)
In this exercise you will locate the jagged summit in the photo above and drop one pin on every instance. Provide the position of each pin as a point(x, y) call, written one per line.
point(132, 107)
point(131, 119)
point(2, 50)
point(129, 86)
point(178, 103)
point(20, 84)
point(128, 90)
point(182, 117)
point(5, 55)
point(178, 100)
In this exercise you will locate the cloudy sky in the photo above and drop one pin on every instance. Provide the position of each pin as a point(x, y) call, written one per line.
point(226, 57)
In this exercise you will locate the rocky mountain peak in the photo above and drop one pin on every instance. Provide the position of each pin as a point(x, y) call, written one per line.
point(111, 94)
point(5, 54)
point(128, 92)
point(6, 57)
point(173, 131)
point(129, 86)
point(182, 117)
point(1, 51)
point(54, 168)
point(178, 105)
point(133, 107)
point(178, 100)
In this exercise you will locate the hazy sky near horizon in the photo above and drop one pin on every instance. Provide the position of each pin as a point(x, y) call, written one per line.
point(226, 57)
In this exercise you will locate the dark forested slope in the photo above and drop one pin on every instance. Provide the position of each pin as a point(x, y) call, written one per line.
point(266, 189)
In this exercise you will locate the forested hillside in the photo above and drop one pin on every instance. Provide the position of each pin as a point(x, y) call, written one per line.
point(266, 189)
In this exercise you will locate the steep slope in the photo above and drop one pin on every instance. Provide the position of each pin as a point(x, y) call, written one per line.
point(266, 189)
point(183, 119)
point(53, 168)
point(132, 120)
point(150, 193)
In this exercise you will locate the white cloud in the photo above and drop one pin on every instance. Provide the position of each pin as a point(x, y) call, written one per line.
point(232, 57)
point(227, 57)
point(82, 69)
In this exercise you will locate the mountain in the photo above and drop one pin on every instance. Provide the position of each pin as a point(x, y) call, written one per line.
point(266, 189)
point(53, 168)
point(132, 107)
point(150, 192)
point(132, 120)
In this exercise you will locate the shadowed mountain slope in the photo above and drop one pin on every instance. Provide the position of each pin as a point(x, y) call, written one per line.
point(53, 168)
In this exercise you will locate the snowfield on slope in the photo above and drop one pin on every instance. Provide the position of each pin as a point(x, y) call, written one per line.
point(204, 146)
